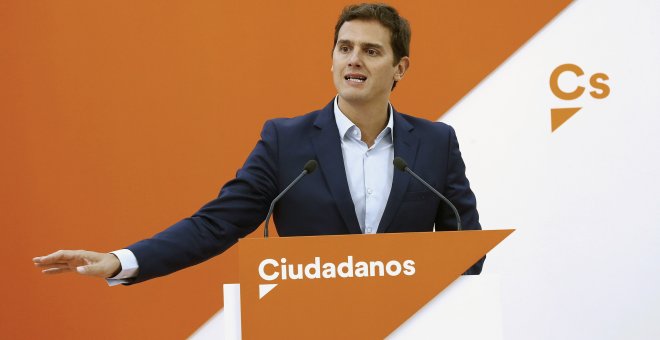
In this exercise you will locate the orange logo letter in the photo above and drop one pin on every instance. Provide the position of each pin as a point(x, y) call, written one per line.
point(604, 88)
point(554, 82)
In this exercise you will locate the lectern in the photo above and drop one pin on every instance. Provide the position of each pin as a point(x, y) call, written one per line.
point(352, 286)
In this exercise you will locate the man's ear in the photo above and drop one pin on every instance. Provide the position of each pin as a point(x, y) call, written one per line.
point(401, 68)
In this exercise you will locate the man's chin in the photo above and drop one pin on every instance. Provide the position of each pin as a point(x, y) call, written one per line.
point(353, 97)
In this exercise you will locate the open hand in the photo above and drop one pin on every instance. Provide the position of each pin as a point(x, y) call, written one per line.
point(84, 262)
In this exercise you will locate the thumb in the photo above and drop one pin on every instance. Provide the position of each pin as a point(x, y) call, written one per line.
point(90, 270)
point(85, 270)
point(100, 265)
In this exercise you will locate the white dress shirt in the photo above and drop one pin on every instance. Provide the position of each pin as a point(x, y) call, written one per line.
point(369, 172)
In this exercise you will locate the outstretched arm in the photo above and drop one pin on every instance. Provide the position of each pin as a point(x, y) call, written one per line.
point(239, 209)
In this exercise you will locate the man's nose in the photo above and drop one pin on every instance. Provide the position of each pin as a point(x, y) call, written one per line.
point(354, 59)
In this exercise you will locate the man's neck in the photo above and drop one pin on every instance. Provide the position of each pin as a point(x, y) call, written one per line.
point(370, 118)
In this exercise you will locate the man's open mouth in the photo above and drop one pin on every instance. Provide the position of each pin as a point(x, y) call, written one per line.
point(358, 78)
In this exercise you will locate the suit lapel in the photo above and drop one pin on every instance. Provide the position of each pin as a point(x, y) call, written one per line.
point(331, 162)
point(405, 146)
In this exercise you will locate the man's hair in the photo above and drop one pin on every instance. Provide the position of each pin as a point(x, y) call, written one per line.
point(387, 16)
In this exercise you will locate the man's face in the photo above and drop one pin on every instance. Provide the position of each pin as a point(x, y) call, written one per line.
point(363, 68)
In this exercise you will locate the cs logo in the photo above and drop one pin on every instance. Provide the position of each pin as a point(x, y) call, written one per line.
point(599, 90)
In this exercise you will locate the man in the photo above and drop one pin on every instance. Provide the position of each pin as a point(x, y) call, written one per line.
point(354, 139)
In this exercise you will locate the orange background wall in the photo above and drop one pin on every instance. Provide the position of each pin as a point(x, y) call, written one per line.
point(119, 118)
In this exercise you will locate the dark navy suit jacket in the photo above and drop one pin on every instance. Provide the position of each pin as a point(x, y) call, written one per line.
point(320, 204)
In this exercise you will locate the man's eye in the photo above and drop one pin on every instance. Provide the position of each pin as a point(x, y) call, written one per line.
point(371, 51)
point(343, 49)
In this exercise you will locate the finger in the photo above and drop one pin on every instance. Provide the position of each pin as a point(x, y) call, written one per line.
point(58, 256)
point(52, 271)
point(41, 264)
point(54, 265)
point(49, 262)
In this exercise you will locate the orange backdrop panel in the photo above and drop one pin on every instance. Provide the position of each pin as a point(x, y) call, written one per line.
point(121, 117)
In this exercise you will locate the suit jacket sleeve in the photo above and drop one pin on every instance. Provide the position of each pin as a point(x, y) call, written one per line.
point(457, 190)
point(238, 210)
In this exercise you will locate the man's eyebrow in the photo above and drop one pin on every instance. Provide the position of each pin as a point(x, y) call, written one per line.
point(373, 45)
point(363, 45)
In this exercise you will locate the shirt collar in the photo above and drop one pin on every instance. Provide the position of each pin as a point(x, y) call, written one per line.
point(344, 124)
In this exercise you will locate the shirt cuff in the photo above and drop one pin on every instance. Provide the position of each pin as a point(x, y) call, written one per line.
point(114, 282)
point(129, 267)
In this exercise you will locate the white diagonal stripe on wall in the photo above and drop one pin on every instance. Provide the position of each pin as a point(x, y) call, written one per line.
point(582, 264)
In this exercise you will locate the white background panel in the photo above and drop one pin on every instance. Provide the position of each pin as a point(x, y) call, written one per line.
point(583, 263)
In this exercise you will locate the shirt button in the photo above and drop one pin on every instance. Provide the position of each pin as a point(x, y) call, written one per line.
point(368, 230)
point(369, 191)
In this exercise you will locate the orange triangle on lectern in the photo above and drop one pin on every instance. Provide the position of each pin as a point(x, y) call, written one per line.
point(560, 116)
point(357, 307)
